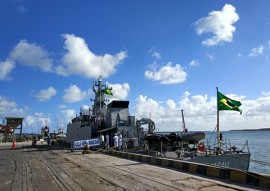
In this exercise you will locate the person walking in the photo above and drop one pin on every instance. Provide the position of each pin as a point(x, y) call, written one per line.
point(115, 139)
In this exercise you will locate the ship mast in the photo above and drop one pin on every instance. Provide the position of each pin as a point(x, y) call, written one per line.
point(99, 88)
point(99, 100)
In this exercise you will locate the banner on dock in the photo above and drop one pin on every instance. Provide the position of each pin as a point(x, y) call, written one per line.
point(91, 142)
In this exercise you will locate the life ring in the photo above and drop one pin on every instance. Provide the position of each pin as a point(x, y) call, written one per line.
point(201, 147)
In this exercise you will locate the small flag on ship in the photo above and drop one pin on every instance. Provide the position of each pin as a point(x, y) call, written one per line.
point(108, 91)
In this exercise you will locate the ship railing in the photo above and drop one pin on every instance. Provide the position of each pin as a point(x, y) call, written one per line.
point(232, 148)
point(227, 146)
point(246, 145)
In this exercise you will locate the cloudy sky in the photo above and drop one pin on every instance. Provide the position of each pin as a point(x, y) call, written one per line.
point(162, 56)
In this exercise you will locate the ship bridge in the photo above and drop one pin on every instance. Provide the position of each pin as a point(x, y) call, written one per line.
point(118, 118)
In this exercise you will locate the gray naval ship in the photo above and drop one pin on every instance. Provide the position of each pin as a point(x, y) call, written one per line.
point(184, 145)
point(103, 119)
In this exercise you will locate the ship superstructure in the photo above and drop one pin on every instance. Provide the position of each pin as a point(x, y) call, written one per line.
point(101, 118)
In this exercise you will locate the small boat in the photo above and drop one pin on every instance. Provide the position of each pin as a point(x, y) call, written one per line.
point(60, 136)
point(170, 140)
point(192, 137)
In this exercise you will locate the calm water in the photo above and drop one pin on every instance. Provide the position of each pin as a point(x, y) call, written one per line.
point(258, 143)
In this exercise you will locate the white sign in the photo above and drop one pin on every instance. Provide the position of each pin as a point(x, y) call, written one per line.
point(91, 142)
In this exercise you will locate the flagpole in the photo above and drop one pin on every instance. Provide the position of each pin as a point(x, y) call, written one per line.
point(100, 84)
point(218, 139)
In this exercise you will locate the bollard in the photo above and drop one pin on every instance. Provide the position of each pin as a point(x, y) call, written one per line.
point(86, 149)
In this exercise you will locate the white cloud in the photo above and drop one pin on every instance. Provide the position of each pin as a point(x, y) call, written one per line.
point(120, 91)
point(145, 107)
point(256, 51)
point(61, 106)
point(6, 67)
point(196, 104)
point(220, 23)
point(194, 63)
point(10, 108)
point(74, 94)
point(80, 60)
point(22, 9)
point(45, 95)
point(259, 106)
point(167, 74)
point(266, 93)
point(239, 55)
point(156, 55)
point(171, 104)
point(85, 107)
point(153, 66)
point(29, 120)
point(6, 105)
point(31, 55)
point(35, 122)
point(40, 115)
point(68, 115)
point(211, 56)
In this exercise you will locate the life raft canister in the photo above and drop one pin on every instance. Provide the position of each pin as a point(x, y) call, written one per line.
point(201, 147)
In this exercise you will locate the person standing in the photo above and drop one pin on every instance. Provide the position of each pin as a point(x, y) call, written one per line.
point(107, 141)
point(115, 139)
point(102, 141)
point(120, 141)
point(48, 140)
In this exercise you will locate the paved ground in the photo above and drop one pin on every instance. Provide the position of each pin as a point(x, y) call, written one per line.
point(56, 168)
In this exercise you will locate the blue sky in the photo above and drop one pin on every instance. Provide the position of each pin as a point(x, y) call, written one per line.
point(162, 56)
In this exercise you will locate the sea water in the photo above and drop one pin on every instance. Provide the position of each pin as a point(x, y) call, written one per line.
point(258, 144)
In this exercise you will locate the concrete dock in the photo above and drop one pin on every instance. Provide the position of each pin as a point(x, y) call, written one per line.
point(57, 168)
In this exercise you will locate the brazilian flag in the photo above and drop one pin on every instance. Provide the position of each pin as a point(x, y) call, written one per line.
point(225, 103)
point(108, 91)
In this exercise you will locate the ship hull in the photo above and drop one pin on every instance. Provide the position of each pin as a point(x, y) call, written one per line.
point(231, 160)
point(237, 161)
point(76, 132)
